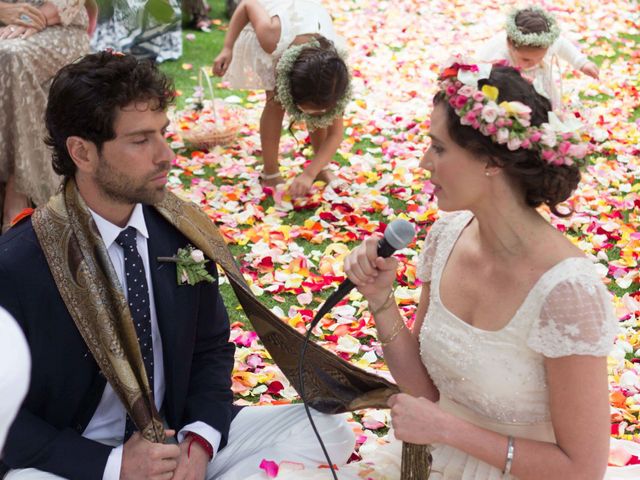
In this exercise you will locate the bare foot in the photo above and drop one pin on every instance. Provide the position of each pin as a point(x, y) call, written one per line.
point(332, 179)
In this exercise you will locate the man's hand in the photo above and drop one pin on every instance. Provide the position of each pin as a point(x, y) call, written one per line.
point(23, 15)
point(192, 465)
point(142, 459)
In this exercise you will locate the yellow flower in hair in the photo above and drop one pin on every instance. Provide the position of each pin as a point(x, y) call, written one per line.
point(516, 109)
point(490, 92)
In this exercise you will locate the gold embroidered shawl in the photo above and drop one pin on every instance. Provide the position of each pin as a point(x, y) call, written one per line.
point(87, 282)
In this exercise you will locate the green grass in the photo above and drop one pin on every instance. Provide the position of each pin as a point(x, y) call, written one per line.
point(201, 52)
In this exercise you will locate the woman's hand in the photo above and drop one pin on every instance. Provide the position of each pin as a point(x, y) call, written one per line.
point(373, 275)
point(13, 31)
point(418, 420)
point(22, 15)
point(222, 61)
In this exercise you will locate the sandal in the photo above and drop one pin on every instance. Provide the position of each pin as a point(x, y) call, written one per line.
point(268, 178)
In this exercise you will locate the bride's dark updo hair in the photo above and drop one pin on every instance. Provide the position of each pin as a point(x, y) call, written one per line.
point(539, 181)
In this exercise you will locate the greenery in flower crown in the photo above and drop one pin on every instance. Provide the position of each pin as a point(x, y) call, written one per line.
point(537, 39)
point(283, 90)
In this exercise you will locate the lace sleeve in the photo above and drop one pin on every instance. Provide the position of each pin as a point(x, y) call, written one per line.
point(427, 254)
point(576, 318)
point(68, 9)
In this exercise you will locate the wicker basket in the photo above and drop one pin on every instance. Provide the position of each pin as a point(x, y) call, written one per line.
point(208, 130)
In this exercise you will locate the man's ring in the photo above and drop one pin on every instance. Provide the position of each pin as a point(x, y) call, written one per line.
point(25, 18)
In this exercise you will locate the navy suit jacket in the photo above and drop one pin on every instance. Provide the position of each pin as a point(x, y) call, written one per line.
point(66, 383)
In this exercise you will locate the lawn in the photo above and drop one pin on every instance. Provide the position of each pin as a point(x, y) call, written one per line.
point(291, 252)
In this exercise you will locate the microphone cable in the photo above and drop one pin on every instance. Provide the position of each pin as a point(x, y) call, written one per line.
point(307, 338)
point(397, 235)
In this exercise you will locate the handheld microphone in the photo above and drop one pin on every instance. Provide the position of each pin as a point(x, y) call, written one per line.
point(397, 235)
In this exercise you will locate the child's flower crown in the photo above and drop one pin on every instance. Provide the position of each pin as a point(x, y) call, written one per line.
point(534, 39)
point(509, 123)
point(283, 90)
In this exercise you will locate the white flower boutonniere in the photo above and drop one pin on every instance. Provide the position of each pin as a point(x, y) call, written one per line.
point(190, 266)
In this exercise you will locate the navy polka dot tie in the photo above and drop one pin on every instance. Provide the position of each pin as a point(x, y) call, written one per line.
point(138, 296)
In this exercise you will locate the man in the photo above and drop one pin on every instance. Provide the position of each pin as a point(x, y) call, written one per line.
point(117, 343)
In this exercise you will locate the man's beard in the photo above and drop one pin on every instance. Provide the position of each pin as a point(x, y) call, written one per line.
point(124, 189)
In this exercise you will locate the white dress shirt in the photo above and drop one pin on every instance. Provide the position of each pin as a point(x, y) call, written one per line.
point(108, 422)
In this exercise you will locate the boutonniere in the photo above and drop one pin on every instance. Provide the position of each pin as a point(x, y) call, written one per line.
point(190, 266)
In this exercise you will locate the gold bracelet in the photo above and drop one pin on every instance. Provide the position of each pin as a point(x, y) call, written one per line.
point(399, 327)
point(386, 304)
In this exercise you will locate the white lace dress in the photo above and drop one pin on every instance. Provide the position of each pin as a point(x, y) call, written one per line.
point(27, 66)
point(253, 68)
point(496, 379)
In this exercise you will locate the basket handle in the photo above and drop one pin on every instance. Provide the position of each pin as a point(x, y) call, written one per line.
point(202, 72)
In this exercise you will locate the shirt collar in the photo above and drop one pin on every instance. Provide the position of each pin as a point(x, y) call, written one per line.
point(109, 232)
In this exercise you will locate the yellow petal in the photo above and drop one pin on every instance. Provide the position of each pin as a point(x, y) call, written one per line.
point(490, 91)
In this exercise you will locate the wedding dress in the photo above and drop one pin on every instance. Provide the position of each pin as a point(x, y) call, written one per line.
point(496, 379)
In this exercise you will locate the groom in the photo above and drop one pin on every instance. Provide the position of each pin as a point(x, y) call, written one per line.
point(131, 370)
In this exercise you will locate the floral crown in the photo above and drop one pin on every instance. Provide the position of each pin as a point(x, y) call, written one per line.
point(509, 123)
point(283, 90)
point(537, 39)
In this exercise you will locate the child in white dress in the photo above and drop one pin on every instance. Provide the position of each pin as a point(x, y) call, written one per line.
point(287, 47)
point(532, 42)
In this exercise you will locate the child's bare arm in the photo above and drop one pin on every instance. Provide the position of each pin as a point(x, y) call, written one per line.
point(267, 28)
point(328, 148)
point(267, 31)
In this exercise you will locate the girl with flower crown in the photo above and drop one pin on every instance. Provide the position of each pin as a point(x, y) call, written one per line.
point(287, 47)
point(532, 42)
point(504, 373)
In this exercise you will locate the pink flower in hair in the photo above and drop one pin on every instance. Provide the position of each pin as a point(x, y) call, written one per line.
point(502, 136)
point(525, 143)
point(535, 137)
point(478, 96)
point(451, 90)
point(460, 101)
point(579, 150)
point(492, 129)
point(490, 112)
point(564, 147)
point(514, 143)
point(466, 90)
point(469, 118)
point(547, 155)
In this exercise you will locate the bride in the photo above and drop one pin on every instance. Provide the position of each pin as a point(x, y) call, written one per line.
point(505, 372)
